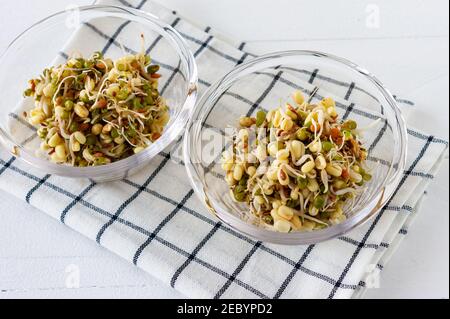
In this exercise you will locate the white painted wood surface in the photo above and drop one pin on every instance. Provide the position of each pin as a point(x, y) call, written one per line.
point(408, 50)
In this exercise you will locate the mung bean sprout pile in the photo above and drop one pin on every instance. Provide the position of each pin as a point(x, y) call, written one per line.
point(96, 111)
point(296, 167)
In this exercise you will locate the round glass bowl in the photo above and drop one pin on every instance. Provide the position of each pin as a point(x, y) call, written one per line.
point(268, 81)
point(115, 31)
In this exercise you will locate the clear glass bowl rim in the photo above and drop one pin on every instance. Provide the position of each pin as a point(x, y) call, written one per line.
point(147, 154)
point(388, 188)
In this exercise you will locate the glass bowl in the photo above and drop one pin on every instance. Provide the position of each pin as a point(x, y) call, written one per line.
point(115, 31)
point(264, 83)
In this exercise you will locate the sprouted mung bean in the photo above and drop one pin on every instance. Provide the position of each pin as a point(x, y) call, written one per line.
point(96, 111)
point(300, 168)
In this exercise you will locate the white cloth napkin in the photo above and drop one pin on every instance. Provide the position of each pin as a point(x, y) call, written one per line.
point(154, 220)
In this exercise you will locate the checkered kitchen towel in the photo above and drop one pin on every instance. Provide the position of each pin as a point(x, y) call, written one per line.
point(160, 226)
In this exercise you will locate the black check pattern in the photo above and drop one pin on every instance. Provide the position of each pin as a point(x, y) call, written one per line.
point(298, 264)
point(378, 217)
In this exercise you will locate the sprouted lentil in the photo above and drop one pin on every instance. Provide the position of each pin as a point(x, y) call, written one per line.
point(301, 168)
point(96, 111)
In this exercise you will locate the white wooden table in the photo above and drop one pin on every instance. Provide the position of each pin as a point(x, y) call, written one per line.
point(406, 43)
